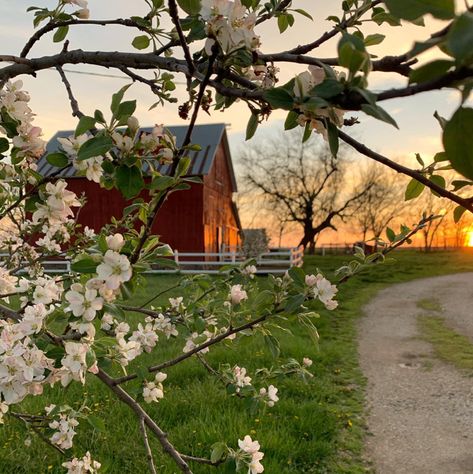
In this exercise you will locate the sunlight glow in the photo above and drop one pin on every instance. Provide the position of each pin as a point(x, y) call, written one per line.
point(469, 238)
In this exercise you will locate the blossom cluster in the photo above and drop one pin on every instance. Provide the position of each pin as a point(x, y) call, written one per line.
point(303, 85)
point(230, 24)
point(154, 391)
point(63, 427)
point(27, 142)
point(84, 465)
point(251, 455)
point(322, 289)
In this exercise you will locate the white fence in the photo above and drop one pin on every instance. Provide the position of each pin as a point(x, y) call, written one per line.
point(276, 261)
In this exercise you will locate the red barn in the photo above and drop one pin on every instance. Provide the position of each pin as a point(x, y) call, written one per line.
point(203, 218)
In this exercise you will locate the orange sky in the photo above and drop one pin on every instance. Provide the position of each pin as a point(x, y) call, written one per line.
point(419, 131)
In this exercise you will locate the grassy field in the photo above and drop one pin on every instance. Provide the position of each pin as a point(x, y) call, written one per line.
point(315, 428)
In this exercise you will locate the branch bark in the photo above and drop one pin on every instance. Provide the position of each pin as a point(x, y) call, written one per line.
point(364, 150)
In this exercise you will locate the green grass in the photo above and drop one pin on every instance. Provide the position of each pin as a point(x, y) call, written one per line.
point(448, 345)
point(430, 304)
point(315, 428)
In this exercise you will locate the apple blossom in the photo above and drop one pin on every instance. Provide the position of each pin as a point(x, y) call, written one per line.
point(237, 294)
point(85, 465)
point(114, 270)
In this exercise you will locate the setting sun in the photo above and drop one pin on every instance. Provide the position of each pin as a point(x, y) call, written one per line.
point(469, 238)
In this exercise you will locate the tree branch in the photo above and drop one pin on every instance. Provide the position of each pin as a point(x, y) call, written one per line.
point(197, 349)
point(182, 39)
point(74, 104)
point(124, 397)
point(364, 150)
point(57, 24)
point(149, 454)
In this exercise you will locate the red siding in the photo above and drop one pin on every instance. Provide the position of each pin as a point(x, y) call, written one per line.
point(179, 222)
point(219, 219)
point(200, 219)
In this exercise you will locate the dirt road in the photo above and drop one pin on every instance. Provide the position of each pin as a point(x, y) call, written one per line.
point(420, 408)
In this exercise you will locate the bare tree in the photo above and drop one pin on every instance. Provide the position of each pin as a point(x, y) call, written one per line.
point(382, 202)
point(301, 183)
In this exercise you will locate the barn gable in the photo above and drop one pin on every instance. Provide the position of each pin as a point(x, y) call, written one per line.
point(203, 218)
point(209, 137)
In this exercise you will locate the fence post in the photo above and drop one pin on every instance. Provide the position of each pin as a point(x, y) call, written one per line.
point(176, 258)
point(291, 257)
point(233, 256)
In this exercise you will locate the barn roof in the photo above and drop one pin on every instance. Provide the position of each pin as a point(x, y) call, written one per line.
point(208, 136)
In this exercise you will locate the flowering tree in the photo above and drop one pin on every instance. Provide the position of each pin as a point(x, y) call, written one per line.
point(69, 329)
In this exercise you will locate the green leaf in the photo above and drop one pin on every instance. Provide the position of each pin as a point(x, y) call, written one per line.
point(378, 112)
point(460, 38)
point(352, 53)
point(84, 265)
point(98, 116)
point(129, 181)
point(279, 98)
point(439, 181)
point(441, 156)
point(304, 13)
point(60, 34)
point(413, 9)
point(333, 138)
point(273, 345)
point(327, 89)
point(263, 300)
point(96, 146)
point(125, 110)
point(283, 22)
point(59, 160)
point(307, 132)
point(291, 120)
point(384, 17)
point(293, 304)
point(191, 7)
point(141, 42)
point(96, 422)
point(161, 183)
point(183, 166)
point(430, 71)
point(219, 450)
point(458, 141)
point(373, 40)
point(117, 99)
point(85, 124)
point(390, 234)
point(458, 213)
point(4, 145)
point(414, 189)
point(252, 126)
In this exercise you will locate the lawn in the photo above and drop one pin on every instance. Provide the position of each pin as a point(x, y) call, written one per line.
point(316, 427)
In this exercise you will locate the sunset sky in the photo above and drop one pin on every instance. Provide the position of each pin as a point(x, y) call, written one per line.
point(419, 131)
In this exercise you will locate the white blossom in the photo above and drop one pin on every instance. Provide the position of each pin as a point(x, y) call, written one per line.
point(114, 270)
point(65, 432)
point(269, 395)
point(82, 466)
point(153, 391)
point(237, 294)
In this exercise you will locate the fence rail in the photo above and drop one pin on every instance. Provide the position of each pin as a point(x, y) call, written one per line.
point(276, 261)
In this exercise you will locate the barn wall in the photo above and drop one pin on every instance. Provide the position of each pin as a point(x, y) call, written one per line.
point(179, 221)
point(220, 223)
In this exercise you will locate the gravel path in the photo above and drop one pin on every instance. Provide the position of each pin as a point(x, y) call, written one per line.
point(420, 410)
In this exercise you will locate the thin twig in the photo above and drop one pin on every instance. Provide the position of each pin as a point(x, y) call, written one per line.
point(170, 363)
point(127, 399)
point(149, 454)
point(173, 12)
point(74, 104)
point(58, 24)
point(363, 149)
